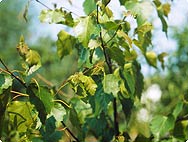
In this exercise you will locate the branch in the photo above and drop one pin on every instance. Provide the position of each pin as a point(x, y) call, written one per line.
point(9, 72)
point(69, 131)
point(182, 118)
point(43, 4)
point(109, 64)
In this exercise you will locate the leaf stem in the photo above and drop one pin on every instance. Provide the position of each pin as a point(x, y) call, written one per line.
point(69, 131)
point(115, 31)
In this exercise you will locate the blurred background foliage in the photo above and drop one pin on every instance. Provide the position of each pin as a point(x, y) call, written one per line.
point(13, 24)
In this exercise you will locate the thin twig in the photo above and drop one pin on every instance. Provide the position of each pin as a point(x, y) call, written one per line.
point(43, 4)
point(115, 32)
point(12, 73)
point(69, 131)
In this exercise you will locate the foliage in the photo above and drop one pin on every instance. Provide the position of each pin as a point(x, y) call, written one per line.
point(174, 88)
point(108, 81)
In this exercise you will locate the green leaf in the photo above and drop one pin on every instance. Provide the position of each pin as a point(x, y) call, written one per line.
point(20, 114)
point(110, 25)
point(127, 76)
point(82, 85)
point(35, 100)
point(100, 101)
point(84, 60)
point(151, 58)
point(179, 131)
point(33, 58)
point(125, 36)
point(144, 28)
point(65, 44)
point(130, 55)
point(84, 29)
point(99, 127)
point(56, 16)
point(5, 82)
point(46, 97)
point(113, 52)
point(89, 6)
point(49, 133)
point(127, 105)
point(164, 23)
point(139, 78)
point(166, 9)
point(160, 125)
point(22, 47)
point(111, 84)
point(161, 58)
point(162, 10)
point(73, 116)
point(178, 109)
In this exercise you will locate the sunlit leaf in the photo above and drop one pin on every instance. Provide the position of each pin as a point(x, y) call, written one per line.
point(151, 58)
point(130, 55)
point(83, 85)
point(177, 109)
point(129, 80)
point(5, 82)
point(93, 44)
point(22, 112)
point(84, 29)
point(125, 36)
point(33, 58)
point(160, 125)
point(22, 47)
point(65, 44)
point(166, 9)
point(56, 16)
point(111, 84)
point(89, 6)
point(146, 27)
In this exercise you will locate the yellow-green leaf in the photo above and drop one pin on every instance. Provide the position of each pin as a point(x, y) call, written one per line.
point(33, 58)
point(111, 84)
point(151, 58)
point(65, 43)
point(166, 9)
point(125, 36)
point(84, 29)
